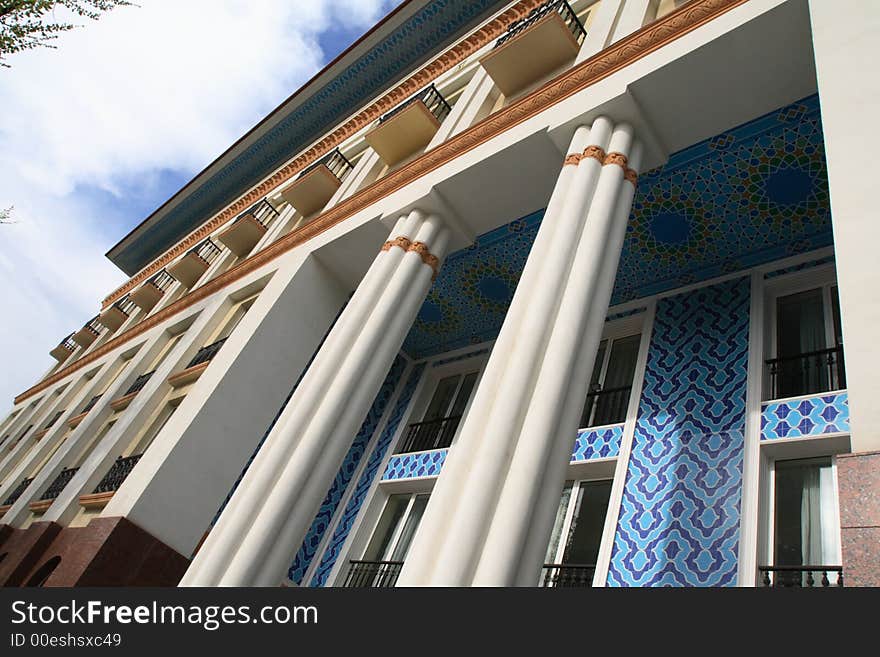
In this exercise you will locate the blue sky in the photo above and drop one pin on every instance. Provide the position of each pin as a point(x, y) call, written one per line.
point(98, 133)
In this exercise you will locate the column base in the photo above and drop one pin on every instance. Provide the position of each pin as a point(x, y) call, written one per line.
point(859, 489)
point(106, 552)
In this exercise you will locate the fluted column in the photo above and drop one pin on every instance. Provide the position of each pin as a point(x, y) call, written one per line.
point(270, 512)
point(508, 466)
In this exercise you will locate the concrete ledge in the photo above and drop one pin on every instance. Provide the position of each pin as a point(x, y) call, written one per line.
point(96, 500)
point(188, 375)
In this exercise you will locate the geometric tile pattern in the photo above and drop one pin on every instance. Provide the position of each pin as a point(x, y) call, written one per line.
point(598, 443)
point(410, 466)
point(346, 471)
point(722, 205)
point(680, 513)
point(809, 416)
point(755, 194)
point(455, 359)
point(414, 41)
point(799, 267)
point(365, 481)
point(467, 303)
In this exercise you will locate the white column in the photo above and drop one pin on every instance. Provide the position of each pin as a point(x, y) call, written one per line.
point(501, 457)
point(845, 49)
point(266, 519)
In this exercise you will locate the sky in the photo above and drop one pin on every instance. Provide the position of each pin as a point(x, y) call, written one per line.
point(98, 133)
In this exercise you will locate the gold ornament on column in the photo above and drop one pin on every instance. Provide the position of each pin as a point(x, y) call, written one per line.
point(630, 175)
point(403, 242)
point(616, 158)
point(427, 257)
point(594, 152)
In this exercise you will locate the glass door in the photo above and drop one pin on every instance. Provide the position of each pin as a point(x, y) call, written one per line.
point(611, 382)
point(806, 524)
point(443, 414)
point(387, 548)
point(577, 534)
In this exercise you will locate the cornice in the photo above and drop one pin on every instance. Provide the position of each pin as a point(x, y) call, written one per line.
point(626, 51)
point(422, 78)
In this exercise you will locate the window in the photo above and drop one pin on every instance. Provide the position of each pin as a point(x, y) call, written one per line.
point(389, 544)
point(443, 415)
point(806, 524)
point(611, 382)
point(577, 534)
point(808, 344)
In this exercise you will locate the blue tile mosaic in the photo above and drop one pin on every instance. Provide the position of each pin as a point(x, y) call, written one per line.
point(679, 517)
point(752, 195)
point(597, 443)
point(353, 507)
point(410, 466)
point(343, 477)
point(804, 417)
point(799, 267)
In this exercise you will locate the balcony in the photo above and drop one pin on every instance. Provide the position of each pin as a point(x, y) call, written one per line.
point(111, 482)
point(607, 406)
point(408, 127)
point(247, 229)
point(316, 184)
point(76, 419)
point(64, 349)
point(801, 576)
point(189, 269)
point(116, 315)
point(197, 365)
point(805, 374)
point(534, 46)
point(148, 294)
point(433, 434)
point(88, 333)
point(372, 574)
point(54, 490)
point(121, 403)
point(17, 491)
point(567, 575)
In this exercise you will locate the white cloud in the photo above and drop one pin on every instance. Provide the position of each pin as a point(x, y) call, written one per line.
point(167, 85)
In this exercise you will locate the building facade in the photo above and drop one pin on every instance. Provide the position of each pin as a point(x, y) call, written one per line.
point(510, 294)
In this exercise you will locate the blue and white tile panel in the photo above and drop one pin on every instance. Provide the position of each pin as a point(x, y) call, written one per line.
point(805, 417)
point(598, 443)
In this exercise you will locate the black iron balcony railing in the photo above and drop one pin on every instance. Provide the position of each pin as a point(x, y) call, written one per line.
point(800, 576)
point(125, 305)
point(17, 491)
point(139, 383)
point(335, 161)
point(94, 325)
point(567, 575)
point(121, 468)
point(607, 406)
point(433, 434)
point(58, 485)
point(206, 353)
point(807, 373)
point(54, 419)
point(559, 6)
point(69, 343)
point(433, 99)
point(372, 574)
point(262, 211)
point(162, 280)
point(91, 403)
point(207, 251)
